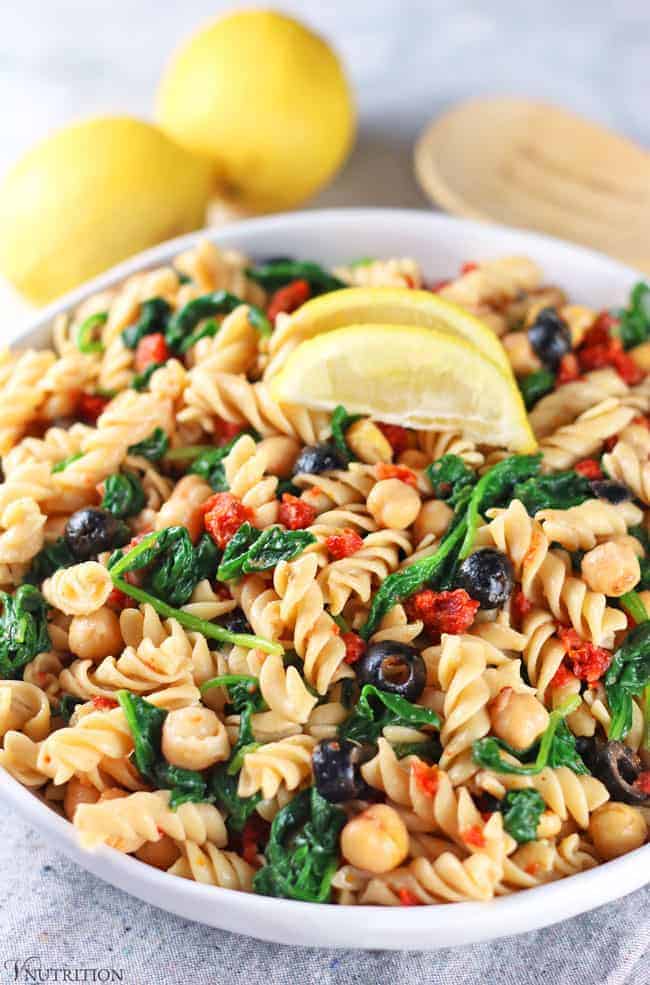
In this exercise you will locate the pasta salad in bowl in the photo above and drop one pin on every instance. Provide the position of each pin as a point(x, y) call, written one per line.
point(327, 580)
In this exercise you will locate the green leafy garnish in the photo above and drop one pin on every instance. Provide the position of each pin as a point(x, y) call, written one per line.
point(339, 423)
point(627, 677)
point(52, 557)
point(450, 478)
point(175, 564)
point(153, 318)
point(152, 448)
point(123, 494)
point(66, 705)
point(634, 606)
point(209, 462)
point(143, 554)
point(275, 275)
point(85, 336)
point(254, 550)
point(23, 629)
point(181, 325)
point(376, 709)
point(559, 491)
point(495, 489)
point(556, 747)
point(535, 386)
point(302, 852)
point(521, 811)
point(634, 321)
point(205, 331)
point(63, 464)
point(428, 751)
point(145, 723)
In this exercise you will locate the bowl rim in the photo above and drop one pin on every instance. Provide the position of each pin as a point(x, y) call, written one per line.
point(383, 927)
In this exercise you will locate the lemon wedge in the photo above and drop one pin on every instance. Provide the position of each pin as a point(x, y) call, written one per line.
point(382, 306)
point(410, 375)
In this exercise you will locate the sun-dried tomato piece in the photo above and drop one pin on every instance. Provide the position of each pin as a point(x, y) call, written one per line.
point(355, 647)
point(401, 472)
point(427, 778)
point(345, 544)
point(520, 606)
point(396, 436)
point(473, 836)
point(286, 299)
point(91, 406)
point(443, 612)
point(254, 836)
point(627, 369)
point(642, 782)
point(589, 468)
point(642, 421)
point(151, 349)
point(562, 677)
point(223, 515)
point(468, 267)
point(227, 430)
point(295, 513)
point(103, 704)
point(438, 285)
point(587, 661)
point(568, 370)
point(407, 898)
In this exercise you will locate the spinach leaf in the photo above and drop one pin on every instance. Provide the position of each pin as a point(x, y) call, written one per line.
point(278, 273)
point(450, 477)
point(66, 705)
point(429, 751)
point(206, 556)
point(521, 811)
point(286, 486)
point(222, 788)
point(144, 553)
point(634, 606)
point(123, 494)
point(339, 423)
point(152, 448)
point(302, 852)
point(145, 723)
point(376, 709)
point(208, 329)
point(63, 464)
point(209, 463)
point(535, 386)
point(495, 489)
point(141, 380)
point(183, 322)
point(86, 333)
point(553, 492)
point(153, 318)
point(627, 677)
point(634, 321)
point(253, 550)
point(175, 571)
point(23, 629)
point(557, 747)
point(52, 557)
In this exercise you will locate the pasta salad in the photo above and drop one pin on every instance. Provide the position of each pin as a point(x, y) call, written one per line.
point(311, 654)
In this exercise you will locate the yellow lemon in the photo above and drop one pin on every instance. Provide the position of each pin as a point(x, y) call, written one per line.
point(267, 99)
point(381, 306)
point(92, 195)
point(410, 375)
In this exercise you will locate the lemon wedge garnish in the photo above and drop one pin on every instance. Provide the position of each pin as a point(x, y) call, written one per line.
point(409, 375)
point(382, 306)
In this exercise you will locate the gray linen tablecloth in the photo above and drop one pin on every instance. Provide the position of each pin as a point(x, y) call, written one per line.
point(60, 916)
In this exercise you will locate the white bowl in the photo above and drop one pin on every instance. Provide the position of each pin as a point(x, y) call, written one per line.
point(440, 244)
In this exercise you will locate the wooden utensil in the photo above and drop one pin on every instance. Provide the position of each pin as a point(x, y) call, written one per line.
point(530, 164)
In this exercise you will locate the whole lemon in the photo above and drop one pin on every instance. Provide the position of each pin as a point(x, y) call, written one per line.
point(266, 98)
point(91, 195)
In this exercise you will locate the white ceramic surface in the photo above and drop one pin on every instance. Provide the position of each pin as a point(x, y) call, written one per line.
point(440, 244)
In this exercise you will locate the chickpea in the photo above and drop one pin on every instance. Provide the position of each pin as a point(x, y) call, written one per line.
point(77, 792)
point(281, 451)
point(433, 518)
point(194, 738)
point(368, 443)
point(617, 828)
point(393, 504)
point(520, 353)
point(182, 507)
point(376, 840)
point(96, 635)
point(161, 854)
point(610, 568)
point(517, 718)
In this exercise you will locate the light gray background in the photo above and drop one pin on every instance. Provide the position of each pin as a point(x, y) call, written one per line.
point(61, 59)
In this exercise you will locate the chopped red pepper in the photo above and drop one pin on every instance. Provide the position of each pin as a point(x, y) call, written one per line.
point(254, 836)
point(627, 369)
point(396, 436)
point(443, 612)
point(427, 778)
point(588, 662)
point(407, 898)
point(223, 515)
point(600, 348)
point(589, 468)
point(345, 544)
point(227, 430)
point(295, 513)
point(520, 606)
point(286, 299)
point(103, 704)
point(401, 472)
point(642, 782)
point(561, 677)
point(473, 836)
point(568, 370)
point(355, 647)
point(91, 406)
point(151, 349)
